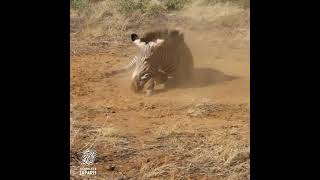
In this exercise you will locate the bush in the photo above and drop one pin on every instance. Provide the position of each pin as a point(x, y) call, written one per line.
point(79, 3)
point(155, 10)
point(175, 4)
point(242, 3)
point(145, 6)
point(129, 6)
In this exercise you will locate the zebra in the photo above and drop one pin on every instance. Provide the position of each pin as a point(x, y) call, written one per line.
point(163, 55)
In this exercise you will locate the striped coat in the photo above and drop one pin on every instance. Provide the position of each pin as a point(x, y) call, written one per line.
point(163, 54)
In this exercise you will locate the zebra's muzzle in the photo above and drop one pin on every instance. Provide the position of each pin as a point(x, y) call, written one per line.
point(146, 76)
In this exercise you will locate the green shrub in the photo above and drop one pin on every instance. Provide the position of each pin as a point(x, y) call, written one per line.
point(79, 3)
point(155, 10)
point(242, 3)
point(175, 4)
point(129, 6)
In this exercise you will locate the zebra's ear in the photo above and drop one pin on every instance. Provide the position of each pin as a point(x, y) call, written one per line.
point(157, 43)
point(137, 41)
point(134, 37)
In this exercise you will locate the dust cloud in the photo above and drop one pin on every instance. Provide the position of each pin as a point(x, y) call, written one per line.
point(218, 38)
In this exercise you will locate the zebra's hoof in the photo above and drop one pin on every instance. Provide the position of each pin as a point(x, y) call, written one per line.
point(149, 92)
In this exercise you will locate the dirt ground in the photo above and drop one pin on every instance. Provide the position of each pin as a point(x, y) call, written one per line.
point(195, 132)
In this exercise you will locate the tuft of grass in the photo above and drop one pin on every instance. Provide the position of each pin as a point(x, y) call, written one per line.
point(112, 136)
point(242, 3)
point(78, 4)
point(155, 10)
point(128, 7)
point(175, 4)
point(111, 132)
point(155, 171)
point(217, 154)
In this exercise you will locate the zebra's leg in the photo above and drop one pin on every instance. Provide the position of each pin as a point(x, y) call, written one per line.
point(135, 85)
point(133, 63)
point(149, 86)
point(161, 78)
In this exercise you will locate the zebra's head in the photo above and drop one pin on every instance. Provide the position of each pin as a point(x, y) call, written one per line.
point(147, 48)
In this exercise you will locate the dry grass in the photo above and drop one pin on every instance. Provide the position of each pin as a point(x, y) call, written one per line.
point(215, 154)
point(174, 149)
point(73, 129)
point(220, 16)
point(105, 137)
point(98, 19)
point(241, 3)
point(112, 137)
point(114, 20)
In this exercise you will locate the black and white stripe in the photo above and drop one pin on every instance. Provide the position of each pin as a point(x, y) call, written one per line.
point(163, 55)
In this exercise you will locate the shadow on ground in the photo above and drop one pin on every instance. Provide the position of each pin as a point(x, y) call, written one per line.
point(202, 77)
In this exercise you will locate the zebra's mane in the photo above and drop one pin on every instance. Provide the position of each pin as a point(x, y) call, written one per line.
point(165, 34)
